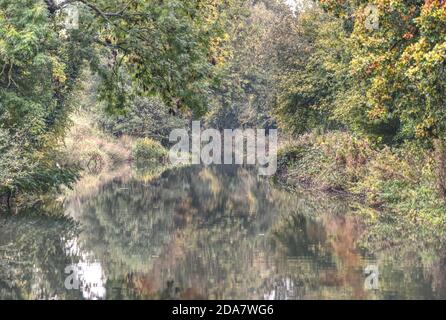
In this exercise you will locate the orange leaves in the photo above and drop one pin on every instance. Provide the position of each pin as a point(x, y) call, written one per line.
point(408, 36)
point(436, 3)
point(377, 112)
point(372, 67)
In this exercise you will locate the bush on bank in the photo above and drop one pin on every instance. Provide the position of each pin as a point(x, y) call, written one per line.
point(148, 150)
point(407, 180)
point(90, 149)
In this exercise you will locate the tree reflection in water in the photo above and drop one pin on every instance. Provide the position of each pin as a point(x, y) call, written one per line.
point(212, 232)
point(222, 232)
point(33, 256)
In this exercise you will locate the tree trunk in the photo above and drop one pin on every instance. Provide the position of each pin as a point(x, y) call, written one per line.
point(8, 200)
point(440, 161)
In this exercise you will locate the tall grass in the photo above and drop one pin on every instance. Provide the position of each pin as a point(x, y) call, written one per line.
point(89, 148)
point(408, 181)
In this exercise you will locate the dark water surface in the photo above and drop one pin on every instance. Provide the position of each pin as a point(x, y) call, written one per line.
point(209, 233)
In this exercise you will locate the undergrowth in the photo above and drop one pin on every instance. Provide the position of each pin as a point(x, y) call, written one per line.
point(404, 180)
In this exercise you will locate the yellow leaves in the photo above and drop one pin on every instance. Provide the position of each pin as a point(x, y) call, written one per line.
point(423, 129)
point(412, 72)
point(3, 48)
point(408, 35)
point(432, 5)
point(58, 70)
point(432, 20)
point(217, 51)
point(377, 112)
point(209, 10)
point(39, 10)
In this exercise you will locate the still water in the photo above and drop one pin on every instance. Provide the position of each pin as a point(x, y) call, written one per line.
point(210, 233)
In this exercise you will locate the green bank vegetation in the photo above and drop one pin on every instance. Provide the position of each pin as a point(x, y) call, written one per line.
point(363, 107)
point(368, 106)
point(141, 48)
point(360, 112)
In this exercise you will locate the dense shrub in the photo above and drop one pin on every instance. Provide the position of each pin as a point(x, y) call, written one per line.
point(148, 150)
point(92, 150)
point(403, 180)
point(334, 160)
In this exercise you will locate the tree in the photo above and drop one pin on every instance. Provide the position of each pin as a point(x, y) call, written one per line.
point(397, 68)
point(312, 72)
point(138, 48)
point(258, 40)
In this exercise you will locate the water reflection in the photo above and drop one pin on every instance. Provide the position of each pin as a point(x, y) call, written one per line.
point(209, 233)
point(33, 256)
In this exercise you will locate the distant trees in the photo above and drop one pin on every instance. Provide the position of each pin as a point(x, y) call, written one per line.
point(312, 72)
point(248, 82)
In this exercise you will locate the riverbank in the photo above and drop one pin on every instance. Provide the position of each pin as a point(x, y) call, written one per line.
point(214, 232)
point(95, 157)
point(405, 182)
point(103, 157)
point(92, 150)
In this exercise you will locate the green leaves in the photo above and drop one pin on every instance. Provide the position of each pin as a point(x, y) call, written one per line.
point(160, 48)
point(399, 67)
point(138, 48)
point(314, 75)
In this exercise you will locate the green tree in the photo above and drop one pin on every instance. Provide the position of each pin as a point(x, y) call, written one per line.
point(312, 73)
point(248, 83)
point(138, 48)
point(397, 68)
